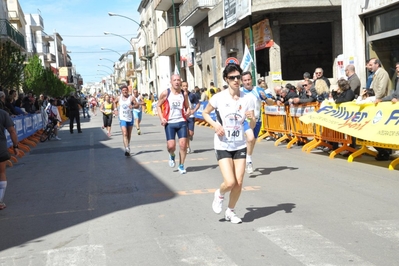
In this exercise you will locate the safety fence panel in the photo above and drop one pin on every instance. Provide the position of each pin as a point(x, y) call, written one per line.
point(275, 123)
point(299, 130)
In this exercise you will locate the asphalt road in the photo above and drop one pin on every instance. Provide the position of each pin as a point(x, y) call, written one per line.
point(80, 201)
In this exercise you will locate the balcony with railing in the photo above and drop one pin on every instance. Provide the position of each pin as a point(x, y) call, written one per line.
point(50, 58)
point(8, 32)
point(193, 12)
point(166, 43)
point(164, 5)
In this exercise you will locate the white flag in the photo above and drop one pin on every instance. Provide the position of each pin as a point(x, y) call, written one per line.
point(177, 72)
point(246, 60)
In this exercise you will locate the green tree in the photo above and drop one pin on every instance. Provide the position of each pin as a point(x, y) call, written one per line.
point(34, 76)
point(11, 66)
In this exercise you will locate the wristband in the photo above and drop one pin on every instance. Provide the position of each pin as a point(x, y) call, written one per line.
point(15, 146)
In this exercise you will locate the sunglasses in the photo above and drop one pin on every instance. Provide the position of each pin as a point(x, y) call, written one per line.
point(318, 72)
point(234, 77)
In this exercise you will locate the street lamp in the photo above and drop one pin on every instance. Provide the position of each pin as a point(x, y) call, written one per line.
point(110, 33)
point(103, 48)
point(139, 24)
point(113, 62)
point(147, 57)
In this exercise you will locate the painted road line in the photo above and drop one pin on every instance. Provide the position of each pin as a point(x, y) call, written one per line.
point(193, 249)
point(90, 255)
point(388, 229)
point(200, 191)
point(309, 247)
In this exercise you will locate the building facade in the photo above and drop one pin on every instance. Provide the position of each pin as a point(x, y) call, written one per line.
point(370, 30)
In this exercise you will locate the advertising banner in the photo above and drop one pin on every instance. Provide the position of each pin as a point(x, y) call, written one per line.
point(25, 126)
point(379, 123)
point(198, 113)
point(263, 37)
point(235, 10)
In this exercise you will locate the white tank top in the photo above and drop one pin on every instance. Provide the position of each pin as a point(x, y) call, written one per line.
point(125, 113)
point(176, 105)
point(139, 101)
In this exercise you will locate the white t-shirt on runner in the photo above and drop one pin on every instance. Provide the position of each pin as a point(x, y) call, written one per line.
point(230, 114)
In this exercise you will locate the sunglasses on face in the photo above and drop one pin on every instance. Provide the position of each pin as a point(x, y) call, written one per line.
point(318, 72)
point(234, 77)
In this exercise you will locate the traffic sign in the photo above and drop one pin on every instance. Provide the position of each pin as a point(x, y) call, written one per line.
point(232, 60)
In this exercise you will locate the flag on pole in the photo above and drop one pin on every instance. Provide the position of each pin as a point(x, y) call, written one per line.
point(177, 72)
point(246, 60)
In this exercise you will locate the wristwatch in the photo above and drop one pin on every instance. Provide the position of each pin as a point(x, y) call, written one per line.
point(15, 146)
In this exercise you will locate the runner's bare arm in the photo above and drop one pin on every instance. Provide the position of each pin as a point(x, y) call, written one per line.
point(206, 114)
point(161, 101)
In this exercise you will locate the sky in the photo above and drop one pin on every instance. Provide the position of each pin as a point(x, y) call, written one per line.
point(82, 23)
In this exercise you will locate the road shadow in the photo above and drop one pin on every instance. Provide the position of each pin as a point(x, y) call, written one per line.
point(202, 150)
point(268, 171)
point(147, 151)
point(201, 168)
point(61, 184)
point(260, 212)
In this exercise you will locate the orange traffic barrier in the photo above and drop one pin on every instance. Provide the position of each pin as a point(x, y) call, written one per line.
point(324, 135)
point(365, 149)
point(300, 130)
point(275, 123)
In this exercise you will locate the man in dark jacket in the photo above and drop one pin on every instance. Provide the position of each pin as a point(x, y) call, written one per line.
point(306, 92)
point(73, 108)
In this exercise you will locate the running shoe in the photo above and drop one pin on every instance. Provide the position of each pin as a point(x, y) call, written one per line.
point(189, 150)
point(181, 169)
point(2, 205)
point(249, 168)
point(127, 151)
point(172, 161)
point(231, 216)
point(57, 138)
point(217, 203)
point(138, 132)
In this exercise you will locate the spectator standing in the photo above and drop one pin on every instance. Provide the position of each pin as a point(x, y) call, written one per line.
point(204, 97)
point(73, 107)
point(381, 83)
point(370, 73)
point(394, 96)
point(319, 75)
point(209, 92)
point(353, 79)
point(173, 108)
point(5, 124)
point(232, 108)
point(85, 109)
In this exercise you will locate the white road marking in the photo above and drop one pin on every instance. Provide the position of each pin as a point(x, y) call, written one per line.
point(193, 249)
point(309, 247)
point(89, 255)
point(388, 229)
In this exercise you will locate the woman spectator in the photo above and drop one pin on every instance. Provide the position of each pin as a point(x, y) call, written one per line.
point(322, 90)
point(343, 93)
